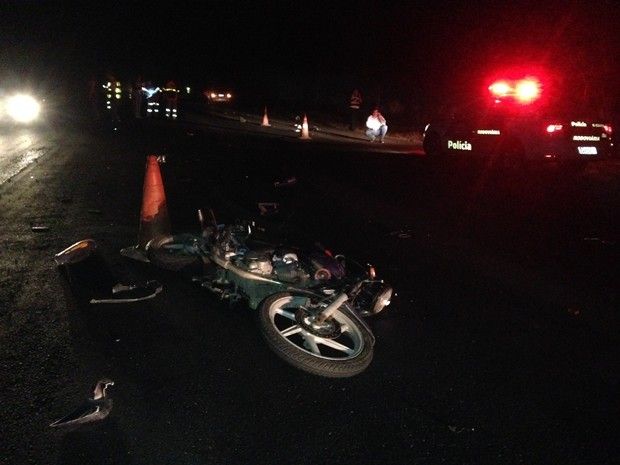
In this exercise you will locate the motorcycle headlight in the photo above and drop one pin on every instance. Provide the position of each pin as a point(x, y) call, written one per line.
point(381, 300)
point(23, 108)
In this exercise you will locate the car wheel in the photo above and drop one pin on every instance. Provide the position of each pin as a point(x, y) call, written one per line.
point(432, 146)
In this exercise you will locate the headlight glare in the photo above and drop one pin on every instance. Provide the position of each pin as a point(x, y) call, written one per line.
point(23, 108)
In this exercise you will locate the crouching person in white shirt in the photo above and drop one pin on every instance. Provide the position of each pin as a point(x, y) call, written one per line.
point(376, 125)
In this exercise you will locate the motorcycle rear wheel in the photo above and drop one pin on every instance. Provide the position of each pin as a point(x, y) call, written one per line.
point(338, 349)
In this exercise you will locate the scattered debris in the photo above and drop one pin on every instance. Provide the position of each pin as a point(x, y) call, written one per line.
point(573, 311)
point(40, 228)
point(598, 239)
point(122, 293)
point(161, 159)
point(402, 233)
point(458, 430)
point(289, 182)
point(95, 408)
point(93, 281)
point(268, 208)
point(76, 253)
point(242, 119)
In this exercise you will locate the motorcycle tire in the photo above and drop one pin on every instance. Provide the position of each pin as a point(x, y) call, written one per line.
point(346, 352)
point(171, 252)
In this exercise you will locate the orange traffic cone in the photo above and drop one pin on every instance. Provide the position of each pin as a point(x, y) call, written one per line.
point(304, 129)
point(154, 221)
point(265, 119)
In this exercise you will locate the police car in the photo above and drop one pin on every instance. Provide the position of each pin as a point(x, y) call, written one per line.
point(519, 119)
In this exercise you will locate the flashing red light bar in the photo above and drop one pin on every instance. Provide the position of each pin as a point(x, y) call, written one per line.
point(500, 88)
point(527, 90)
point(523, 91)
point(554, 128)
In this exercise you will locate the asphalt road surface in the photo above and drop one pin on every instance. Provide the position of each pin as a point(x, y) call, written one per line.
point(500, 347)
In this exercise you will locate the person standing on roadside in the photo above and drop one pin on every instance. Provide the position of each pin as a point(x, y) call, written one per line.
point(377, 126)
point(113, 94)
point(151, 94)
point(354, 104)
point(171, 100)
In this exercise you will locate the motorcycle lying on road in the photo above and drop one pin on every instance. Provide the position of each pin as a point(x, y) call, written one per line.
point(309, 304)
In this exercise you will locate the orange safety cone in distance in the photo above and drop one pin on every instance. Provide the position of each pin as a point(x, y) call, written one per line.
point(304, 129)
point(154, 221)
point(265, 119)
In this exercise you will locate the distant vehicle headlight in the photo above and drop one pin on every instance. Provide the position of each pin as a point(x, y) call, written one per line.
point(23, 108)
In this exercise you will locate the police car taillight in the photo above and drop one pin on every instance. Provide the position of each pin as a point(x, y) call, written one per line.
point(554, 128)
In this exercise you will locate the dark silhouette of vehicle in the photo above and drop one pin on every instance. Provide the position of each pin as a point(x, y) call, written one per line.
point(519, 120)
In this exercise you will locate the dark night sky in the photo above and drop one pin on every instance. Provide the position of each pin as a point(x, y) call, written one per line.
point(420, 50)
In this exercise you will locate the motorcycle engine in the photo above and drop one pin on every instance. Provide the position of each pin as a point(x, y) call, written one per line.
point(259, 263)
point(286, 267)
